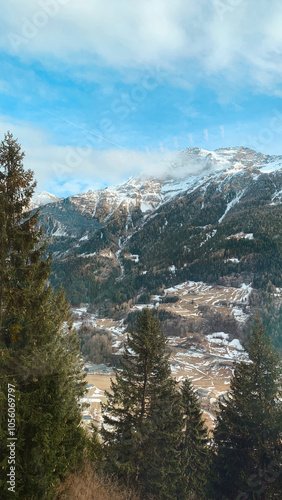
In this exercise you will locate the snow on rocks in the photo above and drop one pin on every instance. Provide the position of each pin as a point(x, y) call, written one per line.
point(231, 204)
point(41, 199)
point(85, 255)
point(85, 237)
point(276, 198)
point(208, 236)
point(238, 236)
point(273, 166)
point(60, 230)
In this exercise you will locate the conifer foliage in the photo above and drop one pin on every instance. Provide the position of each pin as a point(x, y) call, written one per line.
point(39, 352)
point(194, 446)
point(248, 435)
point(144, 414)
point(154, 435)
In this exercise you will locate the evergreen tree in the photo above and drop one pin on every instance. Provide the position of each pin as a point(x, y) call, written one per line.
point(271, 314)
point(144, 414)
point(194, 446)
point(39, 352)
point(161, 473)
point(247, 461)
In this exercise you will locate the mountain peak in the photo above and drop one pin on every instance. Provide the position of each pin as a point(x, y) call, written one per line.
point(42, 198)
point(191, 168)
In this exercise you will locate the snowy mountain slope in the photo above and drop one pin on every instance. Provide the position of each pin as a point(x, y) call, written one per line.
point(41, 199)
point(193, 168)
point(167, 230)
point(202, 244)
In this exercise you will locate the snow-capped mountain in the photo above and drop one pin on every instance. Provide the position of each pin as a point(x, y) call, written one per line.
point(193, 168)
point(211, 216)
point(43, 198)
point(201, 243)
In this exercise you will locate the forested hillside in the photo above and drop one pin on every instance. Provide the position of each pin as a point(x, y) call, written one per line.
point(222, 226)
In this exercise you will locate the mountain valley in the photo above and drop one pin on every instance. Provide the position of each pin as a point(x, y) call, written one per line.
point(201, 245)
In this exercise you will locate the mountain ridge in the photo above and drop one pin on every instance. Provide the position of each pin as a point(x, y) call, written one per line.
point(223, 158)
point(219, 222)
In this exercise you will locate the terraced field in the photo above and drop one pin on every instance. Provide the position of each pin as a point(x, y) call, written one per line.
point(207, 359)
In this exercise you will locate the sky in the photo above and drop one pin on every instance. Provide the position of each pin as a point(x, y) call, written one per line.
point(96, 91)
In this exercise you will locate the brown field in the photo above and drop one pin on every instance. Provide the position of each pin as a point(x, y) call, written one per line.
point(192, 295)
point(102, 382)
point(199, 379)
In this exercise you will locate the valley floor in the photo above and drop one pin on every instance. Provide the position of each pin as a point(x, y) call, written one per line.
point(207, 359)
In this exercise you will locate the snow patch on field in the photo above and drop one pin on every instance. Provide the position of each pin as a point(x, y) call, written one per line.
point(107, 254)
point(239, 315)
point(80, 310)
point(218, 337)
point(133, 257)
point(237, 344)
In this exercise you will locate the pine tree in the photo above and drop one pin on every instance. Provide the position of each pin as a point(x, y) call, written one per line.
point(247, 461)
point(144, 414)
point(271, 314)
point(194, 446)
point(39, 352)
point(161, 473)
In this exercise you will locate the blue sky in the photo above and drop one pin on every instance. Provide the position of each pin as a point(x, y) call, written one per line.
point(96, 91)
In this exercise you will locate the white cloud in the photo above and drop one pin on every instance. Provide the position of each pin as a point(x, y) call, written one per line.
point(188, 39)
point(65, 170)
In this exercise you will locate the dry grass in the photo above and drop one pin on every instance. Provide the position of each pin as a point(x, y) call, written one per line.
point(102, 382)
point(88, 485)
